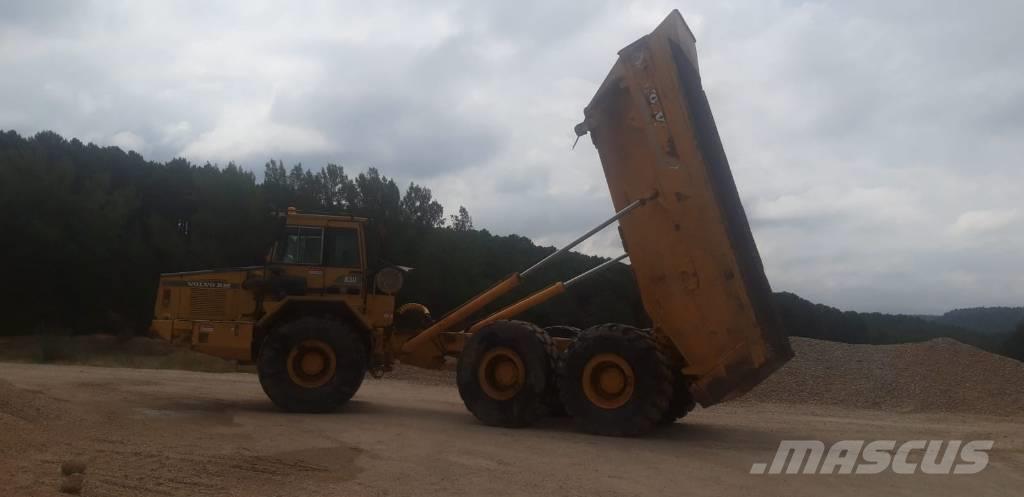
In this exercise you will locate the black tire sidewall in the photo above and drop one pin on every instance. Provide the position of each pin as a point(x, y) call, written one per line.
point(651, 387)
point(527, 404)
point(562, 331)
point(349, 350)
point(682, 401)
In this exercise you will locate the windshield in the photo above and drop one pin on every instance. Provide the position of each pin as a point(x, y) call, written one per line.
point(342, 248)
point(300, 246)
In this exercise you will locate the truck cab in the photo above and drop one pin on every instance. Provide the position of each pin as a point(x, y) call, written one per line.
point(318, 265)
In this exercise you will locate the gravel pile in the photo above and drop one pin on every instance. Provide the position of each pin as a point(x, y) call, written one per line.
point(109, 351)
point(26, 406)
point(941, 375)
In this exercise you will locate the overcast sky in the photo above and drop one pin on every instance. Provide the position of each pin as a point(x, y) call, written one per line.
point(876, 144)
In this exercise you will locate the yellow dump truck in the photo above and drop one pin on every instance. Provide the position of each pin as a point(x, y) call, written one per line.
point(316, 321)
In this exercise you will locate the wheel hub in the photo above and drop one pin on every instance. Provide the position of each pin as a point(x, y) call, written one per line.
point(608, 381)
point(501, 373)
point(312, 363)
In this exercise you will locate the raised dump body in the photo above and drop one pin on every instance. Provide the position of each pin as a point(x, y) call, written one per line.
point(694, 257)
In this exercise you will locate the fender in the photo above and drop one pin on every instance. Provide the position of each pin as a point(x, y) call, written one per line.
point(303, 305)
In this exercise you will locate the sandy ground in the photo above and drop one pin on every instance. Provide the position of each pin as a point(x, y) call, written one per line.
point(161, 432)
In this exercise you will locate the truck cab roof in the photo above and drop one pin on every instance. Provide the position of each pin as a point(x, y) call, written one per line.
point(317, 219)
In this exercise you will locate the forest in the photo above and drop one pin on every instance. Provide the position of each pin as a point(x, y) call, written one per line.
point(88, 229)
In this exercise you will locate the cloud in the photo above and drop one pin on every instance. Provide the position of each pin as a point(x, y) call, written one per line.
point(250, 133)
point(875, 145)
point(127, 140)
point(979, 222)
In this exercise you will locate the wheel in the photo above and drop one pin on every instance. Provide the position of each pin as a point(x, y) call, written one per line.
point(504, 372)
point(552, 398)
point(562, 331)
point(682, 401)
point(312, 364)
point(615, 381)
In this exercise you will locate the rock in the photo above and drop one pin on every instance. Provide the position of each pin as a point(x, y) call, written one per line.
point(72, 466)
point(72, 484)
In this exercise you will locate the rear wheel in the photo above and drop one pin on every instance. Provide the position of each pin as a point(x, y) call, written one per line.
point(615, 381)
point(682, 401)
point(312, 364)
point(553, 399)
point(504, 373)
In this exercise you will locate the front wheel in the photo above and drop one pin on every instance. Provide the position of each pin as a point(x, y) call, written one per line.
point(312, 364)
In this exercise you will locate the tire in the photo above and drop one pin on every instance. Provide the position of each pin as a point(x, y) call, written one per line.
point(682, 401)
point(563, 331)
point(630, 407)
point(552, 397)
point(283, 351)
point(507, 346)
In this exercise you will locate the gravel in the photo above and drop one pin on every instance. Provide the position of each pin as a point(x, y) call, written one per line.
point(183, 433)
point(109, 351)
point(421, 376)
point(941, 375)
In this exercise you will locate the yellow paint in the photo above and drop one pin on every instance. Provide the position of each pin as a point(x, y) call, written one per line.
point(686, 265)
point(215, 312)
point(463, 312)
point(521, 306)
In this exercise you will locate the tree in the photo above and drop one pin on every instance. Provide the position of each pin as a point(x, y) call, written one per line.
point(1014, 346)
point(420, 208)
point(275, 185)
point(334, 185)
point(375, 196)
point(462, 221)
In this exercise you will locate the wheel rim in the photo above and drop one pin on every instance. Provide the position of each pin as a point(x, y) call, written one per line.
point(312, 363)
point(608, 381)
point(501, 373)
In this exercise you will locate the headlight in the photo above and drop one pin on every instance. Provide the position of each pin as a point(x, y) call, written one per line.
point(389, 280)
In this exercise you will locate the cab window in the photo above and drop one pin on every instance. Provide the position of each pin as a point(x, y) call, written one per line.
point(341, 248)
point(300, 246)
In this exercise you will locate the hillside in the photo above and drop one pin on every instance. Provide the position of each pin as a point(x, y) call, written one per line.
point(999, 320)
point(807, 319)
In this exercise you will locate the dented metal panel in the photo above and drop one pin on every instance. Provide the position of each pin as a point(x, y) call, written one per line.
point(695, 260)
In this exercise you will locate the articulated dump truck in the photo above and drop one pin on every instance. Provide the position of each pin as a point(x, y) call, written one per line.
point(317, 317)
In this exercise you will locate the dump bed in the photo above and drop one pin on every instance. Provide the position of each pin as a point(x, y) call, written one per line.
point(694, 257)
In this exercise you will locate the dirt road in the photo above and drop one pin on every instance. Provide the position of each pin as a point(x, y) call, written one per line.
point(160, 432)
